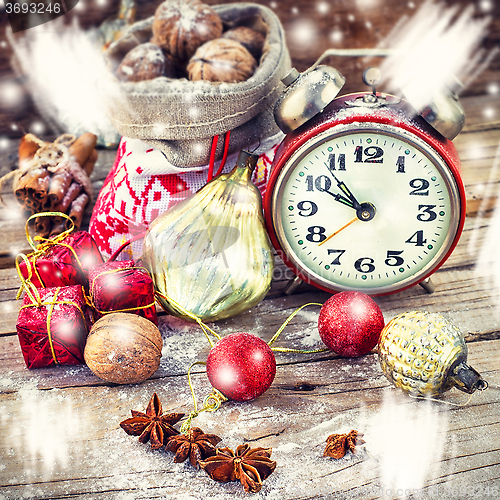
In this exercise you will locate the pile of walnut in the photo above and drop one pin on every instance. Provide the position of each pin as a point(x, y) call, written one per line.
point(54, 177)
point(188, 41)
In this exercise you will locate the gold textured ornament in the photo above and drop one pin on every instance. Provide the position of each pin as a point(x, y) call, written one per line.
point(424, 354)
point(210, 253)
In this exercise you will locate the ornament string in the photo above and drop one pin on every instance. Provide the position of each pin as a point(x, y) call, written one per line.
point(26, 283)
point(127, 243)
point(48, 242)
point(212, 402)
point(206, 329)
point(225, 152)
point(45, 245)
point(450, 403)
point(49, 333)
point(213, 150)
point(284, 325)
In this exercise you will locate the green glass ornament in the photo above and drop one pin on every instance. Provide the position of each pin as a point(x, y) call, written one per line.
point(424, 354)
point(210, 253)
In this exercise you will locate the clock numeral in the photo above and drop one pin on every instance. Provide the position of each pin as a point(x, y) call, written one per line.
point(421, 187)
point(428, 215)
point(374, 154)
point(336, 262)
point(321, 183)
point(401, 165)
point(364, 265)
point(307, 208)
point(340, 160)
point(316, 234)
point(393, 258)
point(417, 239)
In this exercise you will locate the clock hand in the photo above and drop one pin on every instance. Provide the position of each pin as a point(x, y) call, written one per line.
point(341, 185)
point(341, 199)
point(354, 202)
point(364, 213)
point(338, 230)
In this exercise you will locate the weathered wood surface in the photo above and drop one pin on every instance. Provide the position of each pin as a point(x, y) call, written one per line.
point(60, 436)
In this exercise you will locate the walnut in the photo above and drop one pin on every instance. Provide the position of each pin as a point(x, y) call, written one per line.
point(222, 60)
point(251, 39)
point(181, 26)
point(144, 62)
point(123, 348)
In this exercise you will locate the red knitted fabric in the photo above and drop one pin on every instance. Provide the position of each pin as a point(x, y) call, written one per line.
point(135, 193)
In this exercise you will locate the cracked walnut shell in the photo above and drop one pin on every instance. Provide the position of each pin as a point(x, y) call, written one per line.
point(181, 26)
point(222, 60)
point(144, 62)
point(251, 39)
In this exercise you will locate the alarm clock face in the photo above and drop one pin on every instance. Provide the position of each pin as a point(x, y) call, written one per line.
point(365, 207)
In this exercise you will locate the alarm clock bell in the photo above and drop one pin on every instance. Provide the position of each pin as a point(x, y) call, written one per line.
point(307, 94)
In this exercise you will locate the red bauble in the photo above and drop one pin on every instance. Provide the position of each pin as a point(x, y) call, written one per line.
point(350, 323)
point(241, 366)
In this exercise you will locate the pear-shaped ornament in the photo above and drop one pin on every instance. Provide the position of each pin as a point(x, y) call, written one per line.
point(424, 354)
point(210, 253)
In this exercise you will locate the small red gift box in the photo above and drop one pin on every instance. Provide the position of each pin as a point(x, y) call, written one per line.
point(53, 325)
point(62, 262)
point(121, 286)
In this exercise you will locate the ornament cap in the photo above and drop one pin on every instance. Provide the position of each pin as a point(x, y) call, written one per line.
point(247, 160)
point(467, 379)
point(306, 95)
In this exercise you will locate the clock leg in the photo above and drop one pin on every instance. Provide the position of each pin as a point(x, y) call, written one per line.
point(293, 285)
point(428, 285)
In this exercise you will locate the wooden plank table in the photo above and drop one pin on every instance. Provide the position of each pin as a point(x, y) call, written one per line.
point(61, 439)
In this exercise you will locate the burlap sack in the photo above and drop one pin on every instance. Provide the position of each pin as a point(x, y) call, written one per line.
point(180, 117)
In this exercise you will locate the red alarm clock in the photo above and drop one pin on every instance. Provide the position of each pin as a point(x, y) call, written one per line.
point(365, 191)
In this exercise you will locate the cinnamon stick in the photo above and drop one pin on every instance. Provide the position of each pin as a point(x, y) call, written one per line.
point(88, 166)
point(59, 184)
point(20, 189)
point(77, 209)
point(82, 148)
point(21, 194)
point(36, 182)
point(28, 146)
point(73, 191)
point(58, 226)
point(31, 222)
point(43, 226)
point(32, 204)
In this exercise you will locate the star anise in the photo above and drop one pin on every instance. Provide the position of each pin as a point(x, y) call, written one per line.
point(153, 425)
point(195, 444)
point(337, 445)
point(248, 465)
